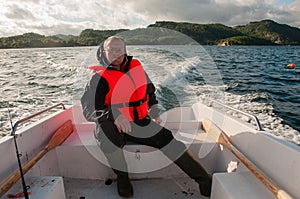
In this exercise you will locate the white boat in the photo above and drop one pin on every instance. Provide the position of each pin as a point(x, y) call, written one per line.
point(75, 169)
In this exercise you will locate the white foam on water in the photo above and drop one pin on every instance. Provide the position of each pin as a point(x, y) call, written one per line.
point(174, 73)
point(33, 79)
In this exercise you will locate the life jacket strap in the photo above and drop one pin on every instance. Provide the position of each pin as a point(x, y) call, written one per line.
point(129, 104)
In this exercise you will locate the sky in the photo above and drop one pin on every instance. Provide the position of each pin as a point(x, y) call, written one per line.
point(50, 17)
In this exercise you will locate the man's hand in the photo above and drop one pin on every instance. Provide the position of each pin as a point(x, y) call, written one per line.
point(123, 124)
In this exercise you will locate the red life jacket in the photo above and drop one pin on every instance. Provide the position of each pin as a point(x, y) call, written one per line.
point(127, 91)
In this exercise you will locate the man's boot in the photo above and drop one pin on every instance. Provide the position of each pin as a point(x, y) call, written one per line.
point(118, 164)
point(124, 186)
point(194, 170)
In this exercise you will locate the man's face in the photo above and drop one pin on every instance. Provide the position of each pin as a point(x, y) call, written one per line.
point(114, 51)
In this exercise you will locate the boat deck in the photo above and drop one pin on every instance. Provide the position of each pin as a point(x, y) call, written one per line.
point(146, 188)
point(77, 169)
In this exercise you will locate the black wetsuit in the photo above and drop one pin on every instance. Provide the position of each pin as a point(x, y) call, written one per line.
point(144, 131)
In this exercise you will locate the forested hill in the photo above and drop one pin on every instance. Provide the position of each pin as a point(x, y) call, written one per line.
point(266, 32)
point(88, 37)
point(270, 30)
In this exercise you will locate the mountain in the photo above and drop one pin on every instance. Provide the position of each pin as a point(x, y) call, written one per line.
point(91, 37)
point(30, 40)
point(202, 33)
point(266, 32)
point(64, 37)
point(270, 30)
point(88, 37)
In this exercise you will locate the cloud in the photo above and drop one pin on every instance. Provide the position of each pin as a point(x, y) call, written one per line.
point(229, 12)
point(16, 12)
point(49, 17)
point(293, 16)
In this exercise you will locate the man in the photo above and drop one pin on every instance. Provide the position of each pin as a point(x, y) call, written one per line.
point(120, 99)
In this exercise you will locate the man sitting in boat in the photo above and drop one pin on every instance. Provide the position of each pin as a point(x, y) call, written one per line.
point(120, 99)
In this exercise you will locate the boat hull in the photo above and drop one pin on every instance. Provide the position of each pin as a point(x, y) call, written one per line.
point(79, 157)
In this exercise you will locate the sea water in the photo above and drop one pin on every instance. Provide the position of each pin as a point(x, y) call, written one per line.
point(254, 79)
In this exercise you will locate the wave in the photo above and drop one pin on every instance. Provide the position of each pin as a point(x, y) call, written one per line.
point(32, 79)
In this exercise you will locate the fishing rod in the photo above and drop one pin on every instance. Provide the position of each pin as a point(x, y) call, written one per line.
point(13, 133)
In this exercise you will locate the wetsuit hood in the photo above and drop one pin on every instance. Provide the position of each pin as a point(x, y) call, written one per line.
point(101, 57)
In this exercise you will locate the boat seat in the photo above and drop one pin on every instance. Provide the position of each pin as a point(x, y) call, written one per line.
point(239, 185)
point(46, 187)
point(80, 151)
